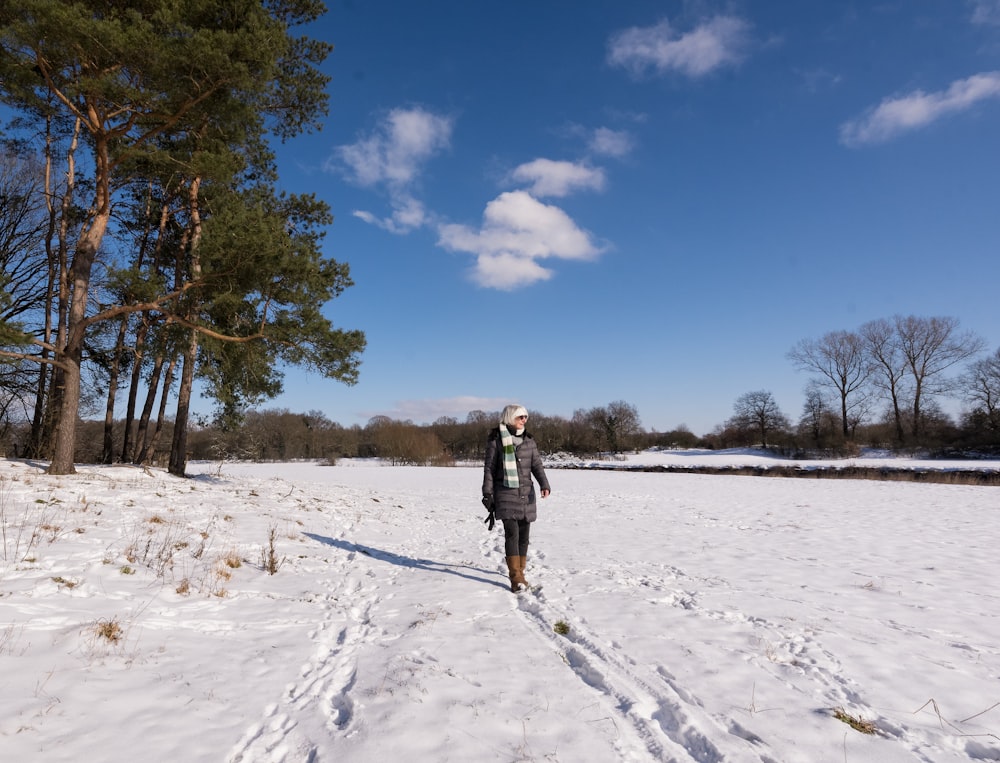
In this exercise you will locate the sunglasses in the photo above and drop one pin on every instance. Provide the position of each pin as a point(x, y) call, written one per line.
point(518, 418)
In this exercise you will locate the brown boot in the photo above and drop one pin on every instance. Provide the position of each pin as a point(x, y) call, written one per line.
point(520, 568)
point(514, 571)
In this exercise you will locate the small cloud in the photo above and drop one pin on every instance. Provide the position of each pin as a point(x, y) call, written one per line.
point(605, 141)
point(718, 42)
point(816, 80)
point(553, 178)
point(368, 217)
point(986, 12)
point(608, 142)
point(898, 115)
point(408, 214)
point(394, 152)
point(518, 230)
point(393, 156)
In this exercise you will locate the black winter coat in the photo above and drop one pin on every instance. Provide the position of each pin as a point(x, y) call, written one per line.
point(519, 502)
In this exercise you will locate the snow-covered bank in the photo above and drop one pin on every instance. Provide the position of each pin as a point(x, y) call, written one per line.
point(760, 464)
point(751, 457)
point(709, 618)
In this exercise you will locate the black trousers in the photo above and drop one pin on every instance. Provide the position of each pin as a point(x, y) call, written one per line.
point(515, 533)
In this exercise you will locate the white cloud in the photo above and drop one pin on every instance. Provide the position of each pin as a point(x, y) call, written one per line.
point(608, 142)
point(605, 141)
point(508, 271)
point(895, 116)
point(394, 153)
point(985, 11)
point(718, 42)
point(393, 156)
point(368, 217)
point(517, 231)
point(552, 178)
point(408, 214)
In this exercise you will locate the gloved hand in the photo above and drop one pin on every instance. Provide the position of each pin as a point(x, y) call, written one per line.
point(491, 518)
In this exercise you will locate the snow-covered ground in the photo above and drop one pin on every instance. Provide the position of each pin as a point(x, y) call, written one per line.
point(708, 618)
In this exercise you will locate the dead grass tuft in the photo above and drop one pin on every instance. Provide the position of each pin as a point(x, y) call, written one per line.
point(110, 630)
point(269, 555)
point(856, 722)
point(232, 559)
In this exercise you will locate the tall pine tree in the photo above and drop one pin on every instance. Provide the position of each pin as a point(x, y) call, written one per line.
point(194, 86)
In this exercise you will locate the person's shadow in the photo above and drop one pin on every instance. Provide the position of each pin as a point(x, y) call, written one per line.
point(404, 561)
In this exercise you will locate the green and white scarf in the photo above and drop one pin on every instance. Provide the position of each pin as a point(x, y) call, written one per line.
point(509, 459)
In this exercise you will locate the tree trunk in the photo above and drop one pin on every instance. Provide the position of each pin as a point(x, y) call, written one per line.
point(56, 237)
point(68, 400)
point(71, 354)
point(141, 438)
point(900, 437)
point(150, 441)
point(915, 428)
point(108, 452)
point(178, 446)
point(133, 395)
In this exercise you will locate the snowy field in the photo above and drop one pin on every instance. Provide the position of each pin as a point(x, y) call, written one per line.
point(680, 617)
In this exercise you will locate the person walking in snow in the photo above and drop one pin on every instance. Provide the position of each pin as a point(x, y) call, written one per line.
point(512, 458)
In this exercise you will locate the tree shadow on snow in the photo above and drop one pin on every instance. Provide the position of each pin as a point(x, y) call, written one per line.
point(404, 561)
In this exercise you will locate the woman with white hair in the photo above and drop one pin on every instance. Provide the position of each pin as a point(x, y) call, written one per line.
point(512, 459)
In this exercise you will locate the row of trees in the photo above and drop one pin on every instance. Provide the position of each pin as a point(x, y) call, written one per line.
point(284, 435)
point(882, 384)
point(757, 421)
point(143, 241)
point(895, 372)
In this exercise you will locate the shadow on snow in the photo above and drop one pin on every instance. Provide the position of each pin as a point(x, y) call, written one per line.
point(426, 565)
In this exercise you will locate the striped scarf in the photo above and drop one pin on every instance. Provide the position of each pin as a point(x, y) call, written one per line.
point(509, 459)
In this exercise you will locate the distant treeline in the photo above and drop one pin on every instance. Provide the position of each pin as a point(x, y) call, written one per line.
point(280, 435)
point(880, 386)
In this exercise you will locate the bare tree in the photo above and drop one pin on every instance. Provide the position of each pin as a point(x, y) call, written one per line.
point(888, 366)
point(981, 386)
point(817, 421)
point(758, 412)
point(840, 360)
point(930, 346)
point(22, 274)
point(624, 422)
point(22, 229)
point(615, 425)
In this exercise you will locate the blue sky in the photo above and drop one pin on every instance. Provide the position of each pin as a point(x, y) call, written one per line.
point(568, 203)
